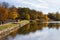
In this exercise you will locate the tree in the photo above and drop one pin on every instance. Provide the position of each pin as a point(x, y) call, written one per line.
point(46, 17)
point(55, 16)
point(27, 16)
point(3, 13)
point(13, 14)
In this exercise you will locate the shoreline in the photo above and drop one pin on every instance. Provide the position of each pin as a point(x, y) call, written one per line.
point(7, 31)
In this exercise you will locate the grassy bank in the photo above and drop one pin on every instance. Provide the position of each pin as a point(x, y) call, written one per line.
point(13, 24)
point(7, 26)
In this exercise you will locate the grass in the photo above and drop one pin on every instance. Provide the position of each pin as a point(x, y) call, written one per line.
point(12, 25)
point(25, 21)
point(7, 26)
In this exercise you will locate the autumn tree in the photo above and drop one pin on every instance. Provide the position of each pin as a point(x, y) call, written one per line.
point(54, 16)
point(46, 17)
point(57, 18)
point(3, 13)
point(13, 14)
point(24, 13)
point(27, 16)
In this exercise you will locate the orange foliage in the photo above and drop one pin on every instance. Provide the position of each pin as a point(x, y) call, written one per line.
point(3, 13)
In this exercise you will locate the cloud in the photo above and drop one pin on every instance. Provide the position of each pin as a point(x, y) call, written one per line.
point(55, 2)
point(32, 36)
point(43, 5)
point(35, 4)
point(41, 0)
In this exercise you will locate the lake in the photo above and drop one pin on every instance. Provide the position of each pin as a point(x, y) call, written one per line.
point(36, 31)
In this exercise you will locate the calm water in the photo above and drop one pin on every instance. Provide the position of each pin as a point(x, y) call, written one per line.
point(37, 31)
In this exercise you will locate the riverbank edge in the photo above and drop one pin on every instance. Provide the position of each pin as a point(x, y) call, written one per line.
point(7, 31)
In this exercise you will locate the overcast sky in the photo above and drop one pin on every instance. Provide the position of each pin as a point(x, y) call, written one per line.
point(40, 5)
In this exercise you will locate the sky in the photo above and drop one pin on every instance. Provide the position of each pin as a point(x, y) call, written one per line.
point(40, 5)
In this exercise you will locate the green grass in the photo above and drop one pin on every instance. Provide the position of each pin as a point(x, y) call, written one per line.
point(7, 26)
point(12, 25)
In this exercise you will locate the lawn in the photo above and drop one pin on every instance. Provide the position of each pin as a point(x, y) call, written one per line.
point(12, 24)
point(7, 26)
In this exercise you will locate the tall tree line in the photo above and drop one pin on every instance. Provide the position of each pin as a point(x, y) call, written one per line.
point(10, 12)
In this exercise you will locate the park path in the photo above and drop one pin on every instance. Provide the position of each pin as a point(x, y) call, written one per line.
point(5, 24)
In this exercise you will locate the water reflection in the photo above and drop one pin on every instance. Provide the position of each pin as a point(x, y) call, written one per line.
point(54, 25)
point(37, 31)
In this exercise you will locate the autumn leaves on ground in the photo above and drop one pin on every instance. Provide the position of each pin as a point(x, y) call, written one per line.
point(11, 13)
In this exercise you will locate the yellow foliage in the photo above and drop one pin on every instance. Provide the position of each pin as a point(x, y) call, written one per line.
point(46, 17)
point(27, 16)
point(13, 15)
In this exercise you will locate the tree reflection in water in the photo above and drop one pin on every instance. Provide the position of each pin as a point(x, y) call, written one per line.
point(32, 27)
